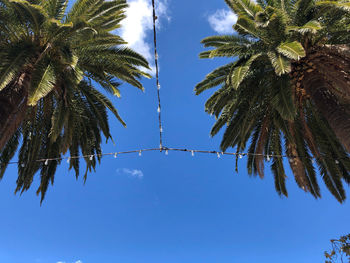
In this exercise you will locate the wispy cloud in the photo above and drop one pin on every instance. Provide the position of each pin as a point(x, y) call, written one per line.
point(130, 172)
point(78, 261)
point(138, 25)
point(222, 21)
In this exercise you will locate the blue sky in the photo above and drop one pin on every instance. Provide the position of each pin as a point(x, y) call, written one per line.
point(175, 208)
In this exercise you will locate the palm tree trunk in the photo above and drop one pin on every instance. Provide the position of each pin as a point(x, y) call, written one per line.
point(327, 83)
point(13, 105)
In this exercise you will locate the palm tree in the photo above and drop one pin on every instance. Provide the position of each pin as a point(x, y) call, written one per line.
point(287, 91)
point(51, 62)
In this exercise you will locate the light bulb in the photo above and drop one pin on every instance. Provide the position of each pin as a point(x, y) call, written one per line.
point(192, 153)
point(115, 155)
point(68, 160)
point(140, 153)
point(336, 162)
point(268, 158)
point(91, 156)
point(240, 156)
point(158, 86)
point(46, 162)
point(158, 109)
point(218, 154)
point(166, 152)
point(23, 165)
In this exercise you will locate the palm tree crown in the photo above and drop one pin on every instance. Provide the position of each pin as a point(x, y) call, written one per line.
point(287, 91)
point(50, 63)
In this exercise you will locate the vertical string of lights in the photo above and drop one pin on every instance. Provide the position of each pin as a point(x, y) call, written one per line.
point(157, 77)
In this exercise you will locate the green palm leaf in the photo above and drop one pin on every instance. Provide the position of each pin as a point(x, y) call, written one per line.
point(280, 64)
point(293, 50)
point(240, 72)
point(310, 27)
point(43, 83)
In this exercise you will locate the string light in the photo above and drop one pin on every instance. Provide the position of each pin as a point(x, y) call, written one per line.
point(218, 154)
point(166, 149)
point(157, 74)
point(46, 162)
point(268, 158)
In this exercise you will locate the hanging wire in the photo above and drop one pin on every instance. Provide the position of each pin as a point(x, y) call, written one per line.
point(166, 149)
point(157, 77)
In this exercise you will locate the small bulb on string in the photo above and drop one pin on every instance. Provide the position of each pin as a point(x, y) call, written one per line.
point(192, 153)
point(161, 129)
point(91, 156)
point(23, 165)
point(68, 160)
point(240, 156)
point(158, 86)
point(115, 155)
point(47, 162)
point(166, 152)
point(268, 158)
point(156, 56)
point(140, 153)
point(158, 110)
point(313, 161)
point(336, 162)
point(218, 154)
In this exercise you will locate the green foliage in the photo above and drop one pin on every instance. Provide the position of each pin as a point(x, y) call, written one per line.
point(340, 250)
point(53, 58)
point(260, 103)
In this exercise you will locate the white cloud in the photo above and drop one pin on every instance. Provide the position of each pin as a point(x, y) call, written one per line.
point(222, 21)
point(138, 25)
point(78, 261)
point(131, 172)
